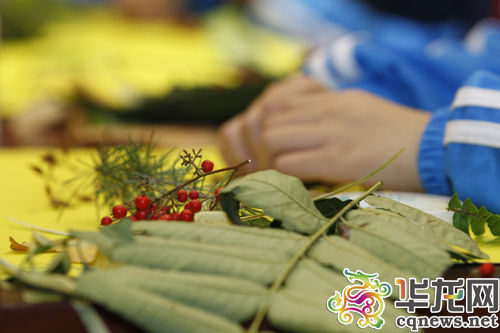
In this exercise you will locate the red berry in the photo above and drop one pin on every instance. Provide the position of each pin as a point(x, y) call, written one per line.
point(486, 269)
point(166, 217)
point(141, 215)
point(176, 216)
point(119, 211)
point(188, 205)
point(142, 202)
point(217, 191)
point(106, 220)
point(164, 209)
point(207, 166)
point(187, 215)
point(194, 194)
point(182, 195)
point(195, 205)
point(134, 218)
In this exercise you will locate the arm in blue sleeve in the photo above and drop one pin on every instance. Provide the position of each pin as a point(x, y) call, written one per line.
point(460, 148)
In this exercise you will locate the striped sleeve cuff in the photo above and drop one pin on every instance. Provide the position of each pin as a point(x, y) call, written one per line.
point(432, 159)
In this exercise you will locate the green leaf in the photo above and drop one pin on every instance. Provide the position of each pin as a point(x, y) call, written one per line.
point(308, 286)
point(280, 196)
point(260, 222)
point(484, 213)
point(150, 311)
point(477, 223)
point(41, 244)
point(295, 310)
point(409, 226)
point(394, 243)
point(253, 237)
point(232, 208)
point(454, 203)
point(338, 253)
point(89, 317)
point(108, 237)
point(61, 264)
point(461, 222)
point(469, 207)
point(261, 265)
point(234, 298)
point(494, 224)
point(330, 207)
point(437, 227)
point(119, 232)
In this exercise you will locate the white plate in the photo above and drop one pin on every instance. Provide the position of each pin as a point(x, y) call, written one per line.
point(433, 204)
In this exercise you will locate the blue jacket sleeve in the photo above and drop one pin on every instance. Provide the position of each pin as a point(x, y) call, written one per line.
point(410, 63)
point(460, 148)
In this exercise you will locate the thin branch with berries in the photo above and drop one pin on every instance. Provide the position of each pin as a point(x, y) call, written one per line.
point(176, 204)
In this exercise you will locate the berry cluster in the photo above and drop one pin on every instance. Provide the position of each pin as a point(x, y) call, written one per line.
point(175, 205)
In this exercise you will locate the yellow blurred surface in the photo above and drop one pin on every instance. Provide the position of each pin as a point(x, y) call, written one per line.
point(23, 198)
point(118, 61)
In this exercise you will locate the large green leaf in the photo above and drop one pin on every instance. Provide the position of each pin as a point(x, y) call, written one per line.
point(338, 253)
point(261, 265)
point(434, 225)
point(411, 227)
point(394, 243)
point(234, 298)
point(281, 196)
point(310, 278)
point(148, 310)
point(272, 239)
point(295, 310)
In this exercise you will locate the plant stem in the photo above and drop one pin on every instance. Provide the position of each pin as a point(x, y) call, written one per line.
point(361, 180)
point(252, 217)
point(36, 228)
point(235, 168)
point(259, 317)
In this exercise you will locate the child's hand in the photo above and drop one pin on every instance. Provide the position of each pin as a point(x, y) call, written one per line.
point(300, 128)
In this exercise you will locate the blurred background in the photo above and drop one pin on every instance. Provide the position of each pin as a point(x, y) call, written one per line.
point(79, 72)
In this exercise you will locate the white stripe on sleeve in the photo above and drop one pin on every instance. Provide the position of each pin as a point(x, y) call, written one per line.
point(317, 63)
point(342, 55)
point(475, 132)
point(474, 96)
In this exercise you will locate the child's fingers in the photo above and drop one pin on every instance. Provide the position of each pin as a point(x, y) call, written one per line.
point(306, 164)
point(232, 146)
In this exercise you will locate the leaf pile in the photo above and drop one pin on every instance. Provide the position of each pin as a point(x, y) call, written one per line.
point(213, 277)
point(183, 277)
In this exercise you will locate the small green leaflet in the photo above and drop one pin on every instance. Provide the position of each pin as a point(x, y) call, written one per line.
point(461, 222)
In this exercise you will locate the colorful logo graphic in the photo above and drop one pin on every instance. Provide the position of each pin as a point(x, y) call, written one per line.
point(366, 300)
point(459, 296)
